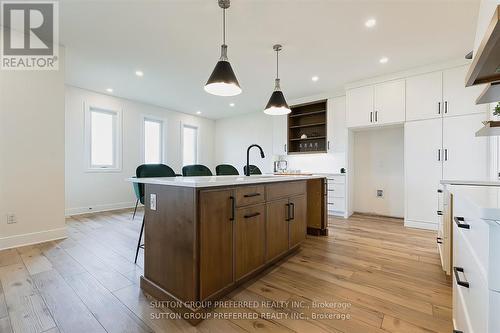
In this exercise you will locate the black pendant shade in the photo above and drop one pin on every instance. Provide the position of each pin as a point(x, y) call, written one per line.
point(277, 104)
point(223, 81)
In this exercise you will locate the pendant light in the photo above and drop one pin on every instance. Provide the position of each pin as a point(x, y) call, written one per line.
point(223, 82)
point(277, 104)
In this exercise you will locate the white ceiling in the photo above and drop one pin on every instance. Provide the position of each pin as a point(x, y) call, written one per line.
point(177, 43)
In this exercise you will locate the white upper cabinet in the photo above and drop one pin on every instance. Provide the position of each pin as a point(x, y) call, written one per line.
point(424, 98)
point(279, 135)
point(457, 99)
point(390, 102)
point(360, 106)
point(336, 125)
point(464, 154)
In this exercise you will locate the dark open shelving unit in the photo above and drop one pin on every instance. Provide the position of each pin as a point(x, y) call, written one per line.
point(310, 120)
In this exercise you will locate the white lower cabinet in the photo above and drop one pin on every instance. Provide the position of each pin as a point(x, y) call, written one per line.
point(476, 300)
point(336, 194)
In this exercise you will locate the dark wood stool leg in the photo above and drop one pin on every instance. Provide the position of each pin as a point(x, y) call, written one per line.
point(135, 209)
point(139, 242)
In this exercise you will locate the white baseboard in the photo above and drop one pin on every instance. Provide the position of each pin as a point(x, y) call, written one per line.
point(421, 225)
point(99, 208)
point(32, 238)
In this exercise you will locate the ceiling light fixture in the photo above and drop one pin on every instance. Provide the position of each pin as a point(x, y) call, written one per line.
point(139, 73)
point(315, 78)
point(223, 81)
point(383, 60)
point(198, 112)
point(370, 23)
point(277, 104)
point(110, 90)
point(231, 105)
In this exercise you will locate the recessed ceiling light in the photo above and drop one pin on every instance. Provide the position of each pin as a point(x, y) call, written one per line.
point(315, 78)
point(231, 104)
point(383, 60)
point(370, 23)
point(198, 112)
point(139, 73)
point(110, 90)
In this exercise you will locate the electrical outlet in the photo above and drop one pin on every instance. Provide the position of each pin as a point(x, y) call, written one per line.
point(152, 201)
point(11, 218)
point(380, 193)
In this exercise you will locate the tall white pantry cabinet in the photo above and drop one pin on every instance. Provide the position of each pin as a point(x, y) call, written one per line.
point(440, 141)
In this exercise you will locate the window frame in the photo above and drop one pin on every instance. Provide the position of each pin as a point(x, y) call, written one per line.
point(117, 139)
point(163, 126)
point(196, 154)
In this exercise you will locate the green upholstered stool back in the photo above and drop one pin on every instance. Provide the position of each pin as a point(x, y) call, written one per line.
point(150, 171)
point(254, 170)
point(226, 170)
point(196, 170)
point(137, 190)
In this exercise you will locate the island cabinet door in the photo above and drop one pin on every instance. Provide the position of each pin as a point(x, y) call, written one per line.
point(298, 219)
point(249, 239)
point(277, 227)
point(217, 215)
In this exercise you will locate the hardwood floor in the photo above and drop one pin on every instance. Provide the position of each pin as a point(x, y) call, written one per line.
point(373, 275)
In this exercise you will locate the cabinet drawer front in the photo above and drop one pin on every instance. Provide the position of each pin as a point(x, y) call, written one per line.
point(336, 190)
point(337, 204)
point(494, 324)
point(475, 296)
point(285, 189)
point(249, 195)
point(460, 315)
point(336, 180)
point(249, 239)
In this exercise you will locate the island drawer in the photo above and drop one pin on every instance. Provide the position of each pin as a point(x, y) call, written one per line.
point(249, 195)
point(285, 189)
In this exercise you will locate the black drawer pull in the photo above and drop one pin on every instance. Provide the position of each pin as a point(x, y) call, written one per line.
point(457, 277)
point(460, 222)
point(251, 195)
point(457, 331)
point(251, 215)
point(232, 208)
point(288, 214)
point(439, 240)
point(440, 191)
point(440, 212)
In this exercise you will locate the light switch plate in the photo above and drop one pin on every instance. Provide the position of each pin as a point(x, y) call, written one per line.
point(380, 193)
point(152, 201)
point(11, 218)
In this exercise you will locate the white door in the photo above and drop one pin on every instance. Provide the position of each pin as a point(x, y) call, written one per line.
point(359, 106)
point(423, 171)
point(279, 134)
point(390, 102)
point(424, 96)
point(336, 125)
point(465, 155)
point(459, 100)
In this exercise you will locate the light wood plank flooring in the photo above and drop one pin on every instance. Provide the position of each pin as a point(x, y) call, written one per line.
point(372, 273)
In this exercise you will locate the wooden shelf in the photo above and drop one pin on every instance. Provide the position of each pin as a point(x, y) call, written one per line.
point(308, 125)
point(311, 138)
point(484, 67)
point(306, 114)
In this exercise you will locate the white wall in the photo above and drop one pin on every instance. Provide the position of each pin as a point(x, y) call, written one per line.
point(93, 191)
point(234, 135)
point(486, 10)
point(379, 164)
point(32, 155)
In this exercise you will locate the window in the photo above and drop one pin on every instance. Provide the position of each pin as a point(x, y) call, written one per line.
point(189, 145)
point(153, 141)
point(102, 139)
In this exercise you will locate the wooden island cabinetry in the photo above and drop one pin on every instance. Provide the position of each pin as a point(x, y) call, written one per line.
point(202, 242)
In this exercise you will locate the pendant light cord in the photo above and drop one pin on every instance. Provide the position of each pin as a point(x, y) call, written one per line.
point(277, 65)
point(224, 26)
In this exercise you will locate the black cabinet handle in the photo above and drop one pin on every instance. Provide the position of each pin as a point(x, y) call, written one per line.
point(439, 154)
point(460, 221)
point(371, 117)
point(457, 277)
point(328, 145)
point(440, 191)
point(440, 212)
point(251, 215)
point(457, 331)
point(292, 205)
point(287, 212)
point(376, 116)
point(446, 154)
point(439, 107)
point(232, 208)
point(445, 106)
point(439, 240)
point(251, 195)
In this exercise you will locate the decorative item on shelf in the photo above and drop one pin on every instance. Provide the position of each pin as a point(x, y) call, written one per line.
point(342, 170)
point(303, 136)
point(223, 81)
point(316, 146)
point(277, 104)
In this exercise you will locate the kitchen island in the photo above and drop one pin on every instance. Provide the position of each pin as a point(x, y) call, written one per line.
point(204, 236)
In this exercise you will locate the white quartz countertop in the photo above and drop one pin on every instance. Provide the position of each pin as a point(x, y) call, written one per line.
point(212, 181)
point(484, 199)
point(471, 182)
